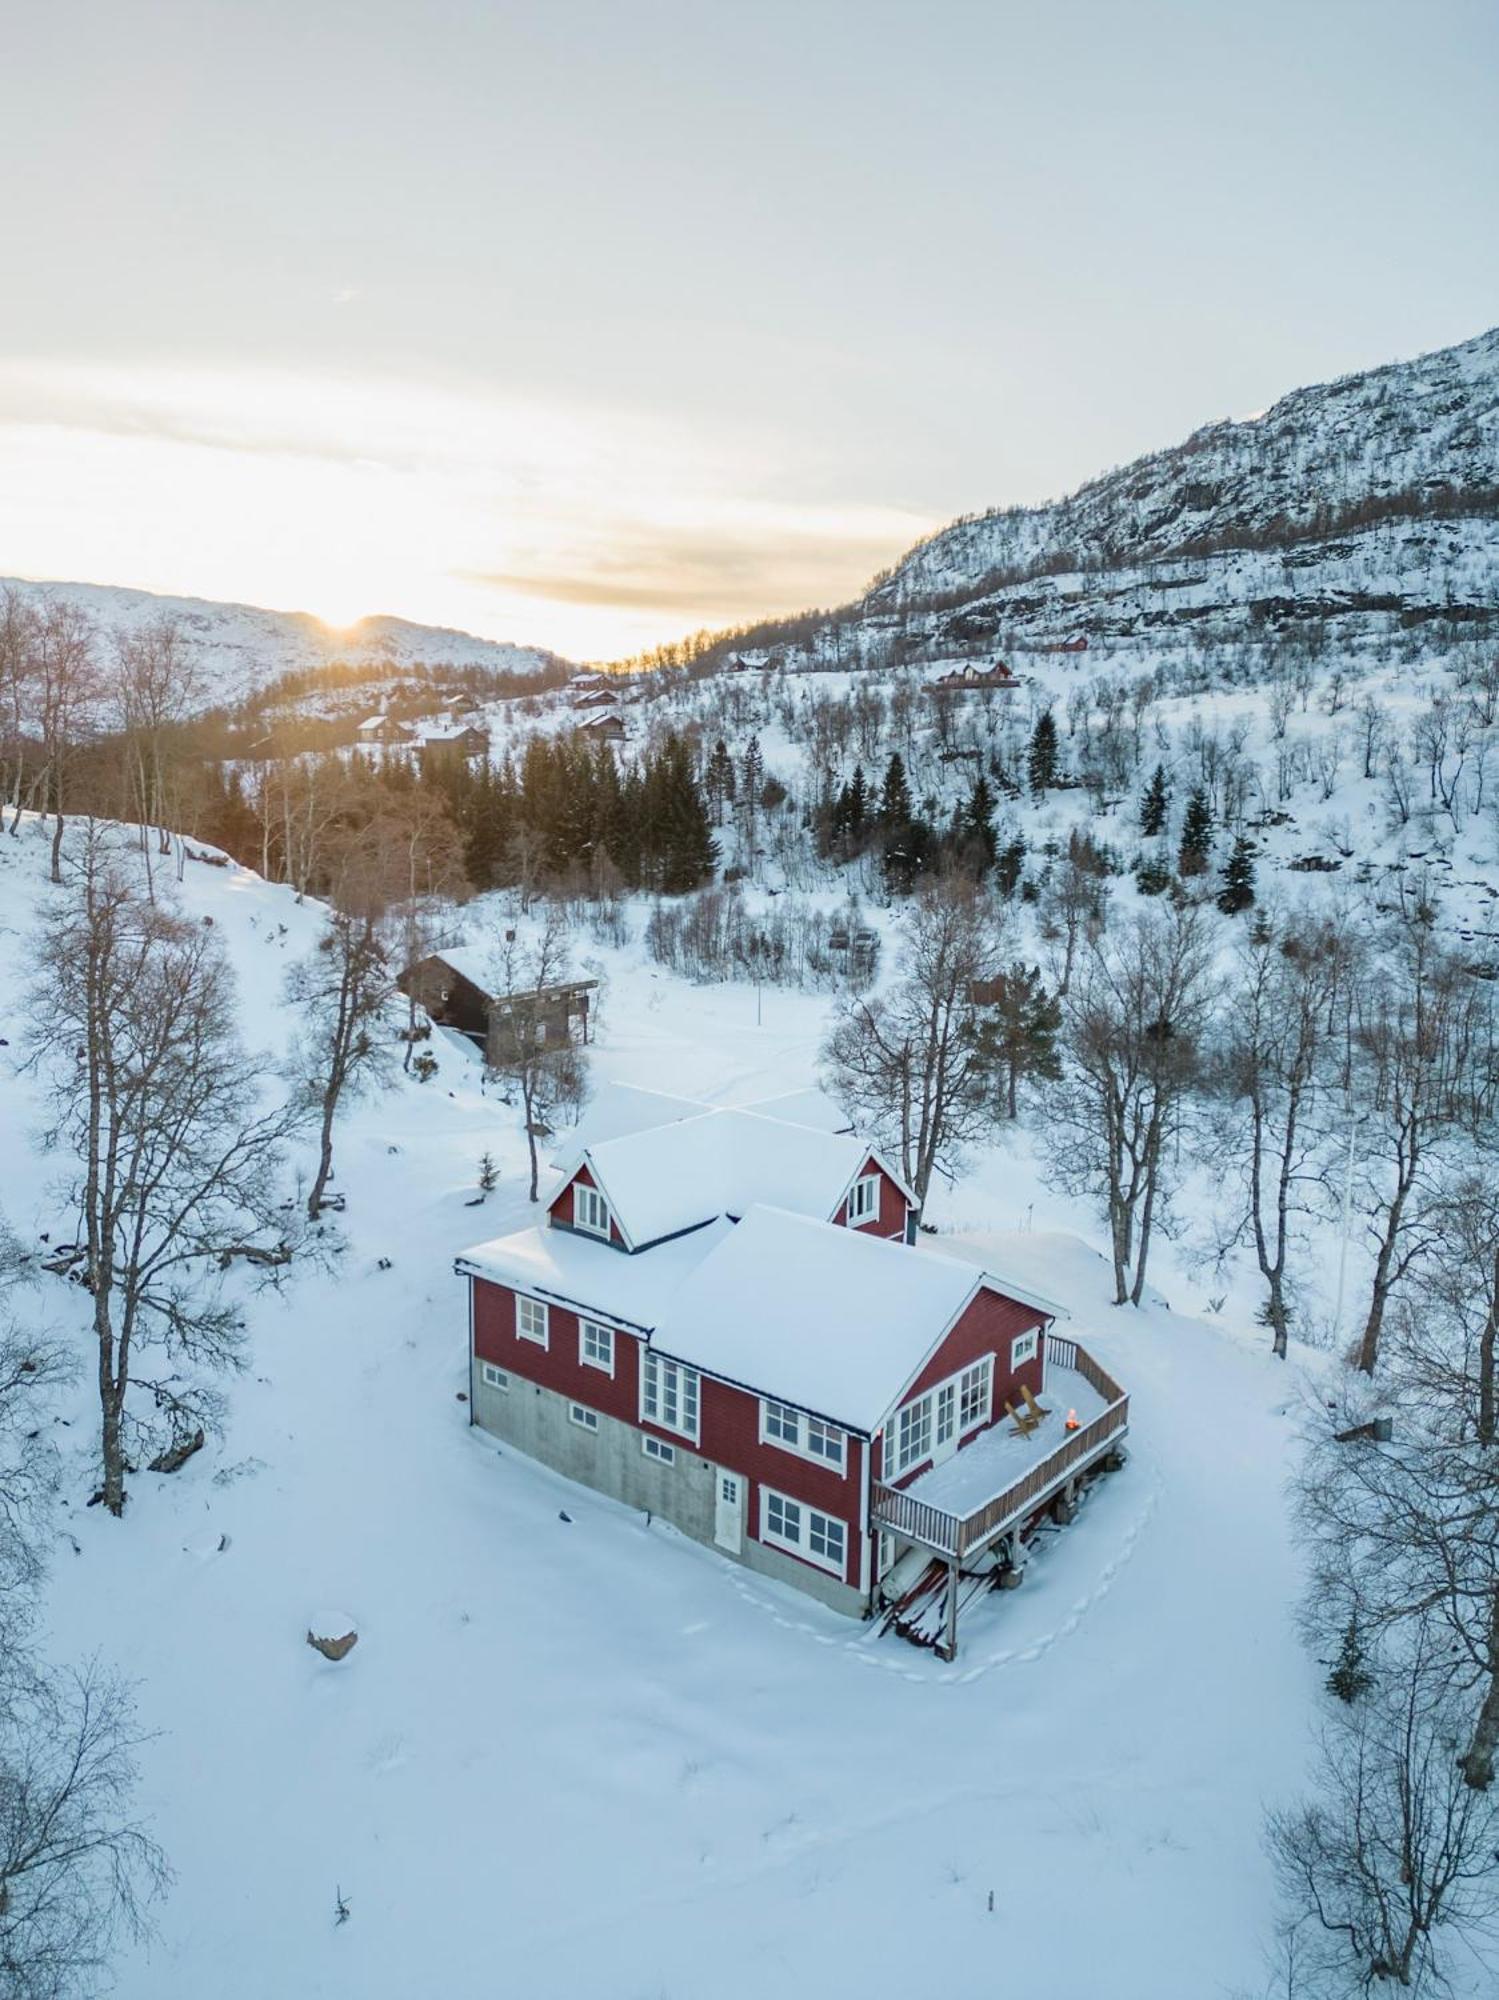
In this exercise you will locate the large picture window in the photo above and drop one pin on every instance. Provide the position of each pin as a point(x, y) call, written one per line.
point(669, 1395)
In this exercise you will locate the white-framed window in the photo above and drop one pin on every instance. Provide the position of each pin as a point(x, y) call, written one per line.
point(590, 1210)
point(492, 1377)
point(582, 1416)
point(531, 1320)
point(975, 1401)
point(805, 1531)
point(654, 1448)
point(864, 1200)
point(947, 1413)
point(1023, 1348)
point(669, 1394)
point(794, 1430)
point(780, 1424)
point(824, 1442)
point(910, 1436)
point(596, 1345)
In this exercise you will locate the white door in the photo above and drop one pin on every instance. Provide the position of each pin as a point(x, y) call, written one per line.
point(728, 1512)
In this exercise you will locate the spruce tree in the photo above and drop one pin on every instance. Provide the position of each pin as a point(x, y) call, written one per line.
point(978, 819)
point(1237, 892)
point(1197, 835)
point(895, 795)
point(1155, 804)
point(1349, 1677)
point(688, 852)
point(1018, 1032)
point(1041, 758)
point(719, 779)
point(858, 803)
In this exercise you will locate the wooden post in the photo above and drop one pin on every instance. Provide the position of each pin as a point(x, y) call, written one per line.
point(949, 1647)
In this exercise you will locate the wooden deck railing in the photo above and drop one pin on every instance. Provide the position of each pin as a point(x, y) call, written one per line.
point(958, 1534)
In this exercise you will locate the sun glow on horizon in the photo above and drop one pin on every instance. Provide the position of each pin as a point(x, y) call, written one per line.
point(591, 532)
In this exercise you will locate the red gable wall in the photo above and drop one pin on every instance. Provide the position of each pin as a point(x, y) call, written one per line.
point(987, 1326)
point(890, 1220)
point(561, 1209)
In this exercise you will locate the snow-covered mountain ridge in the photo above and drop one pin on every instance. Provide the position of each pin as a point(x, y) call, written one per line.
point(1367, 505)
point(1412, 437)
point(241, 647)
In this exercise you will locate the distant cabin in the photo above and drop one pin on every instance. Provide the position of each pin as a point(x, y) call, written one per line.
point(970, 677)
point(450, 742)
point(456, 986)
point(606, 725)
point(385, 730)
point(595, 698)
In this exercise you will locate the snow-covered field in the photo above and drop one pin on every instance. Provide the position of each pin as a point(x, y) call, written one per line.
point(575, 1755)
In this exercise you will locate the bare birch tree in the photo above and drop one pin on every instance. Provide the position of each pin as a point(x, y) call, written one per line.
point(1134, 1019)
point(546, 1069)
point(910, 1063)
point(173, 1133)
point(1279, 1056)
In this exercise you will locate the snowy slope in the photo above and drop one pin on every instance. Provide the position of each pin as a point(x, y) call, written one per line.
point(602, 1758)
point(1371, 503)
point(240, 647)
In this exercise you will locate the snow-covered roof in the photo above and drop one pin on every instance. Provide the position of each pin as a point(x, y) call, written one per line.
point(810, 1107)
point(829, 1319)
point(579, 1271)
point(444, 732)
point(719, 1163)
point(620, 1109)
point(470, 962)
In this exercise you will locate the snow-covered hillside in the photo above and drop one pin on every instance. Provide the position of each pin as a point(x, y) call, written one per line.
point(1366, 505)
point(573, 1745)
point(238, 648)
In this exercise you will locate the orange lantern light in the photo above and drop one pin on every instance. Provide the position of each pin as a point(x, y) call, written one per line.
point(1072, 1423)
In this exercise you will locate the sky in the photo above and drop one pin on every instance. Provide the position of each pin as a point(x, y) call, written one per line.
point(587, 325)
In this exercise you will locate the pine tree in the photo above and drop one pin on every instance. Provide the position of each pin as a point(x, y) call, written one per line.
point(977, 823)
point(1009, 866)
point(895, 795)
point(1237, 892)
point(1018, 1031)
point(688, 852)
point(858, 804)
point(1155, 805)
point(719, 779)
point(1350, 1678)
point(1197, 835)
point(1041, 758)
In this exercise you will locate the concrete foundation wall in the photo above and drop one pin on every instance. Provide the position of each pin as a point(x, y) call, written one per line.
point(611, 1460)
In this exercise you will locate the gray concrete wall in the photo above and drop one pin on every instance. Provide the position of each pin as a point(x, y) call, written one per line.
point(535, 1420)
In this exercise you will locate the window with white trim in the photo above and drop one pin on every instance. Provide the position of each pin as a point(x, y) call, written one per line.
point(669, 1394)
point(910, 1436)
point(531, 1320)
point(804, 1531)
point(794, 1430)
point(780, 1424)
point(976, 1399)
point(1023, 1348)
point(824, 1442)
point(492, 1377)
point(864, 1200)
point(947, 1413)
point(590, 1210)
point(582, 1416)
point(596, 1345)
point(654, 1448)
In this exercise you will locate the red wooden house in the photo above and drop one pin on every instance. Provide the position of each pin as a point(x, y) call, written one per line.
point(725, 1322)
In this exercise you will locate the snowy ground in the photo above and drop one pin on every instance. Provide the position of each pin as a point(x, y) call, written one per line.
point(584, 1757)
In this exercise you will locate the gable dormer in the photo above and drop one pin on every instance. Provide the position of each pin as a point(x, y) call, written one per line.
point(581, 1205)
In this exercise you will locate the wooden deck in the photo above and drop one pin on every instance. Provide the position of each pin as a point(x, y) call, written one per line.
point(955, 1536)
